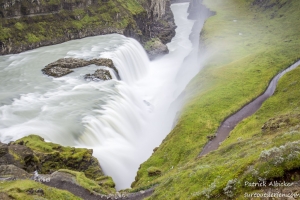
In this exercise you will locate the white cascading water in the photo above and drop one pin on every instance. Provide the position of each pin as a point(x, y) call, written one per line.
point(122, 121)
point(130, 59)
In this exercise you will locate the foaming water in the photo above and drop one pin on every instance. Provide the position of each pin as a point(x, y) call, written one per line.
point(121, 120)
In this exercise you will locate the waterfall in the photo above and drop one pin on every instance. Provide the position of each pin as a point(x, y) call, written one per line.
point(130, 59)
point(115, 129)
point(119, 119)
point(122, 120)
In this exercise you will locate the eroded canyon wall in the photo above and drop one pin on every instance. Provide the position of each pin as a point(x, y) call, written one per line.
point(28, 24)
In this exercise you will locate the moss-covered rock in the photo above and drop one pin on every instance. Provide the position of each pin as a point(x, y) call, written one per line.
point(155, 47)
point(18, 155)
point(105, 186)
point(48, 157)
point(106, 181)
point(57, 166)
point(154, 171)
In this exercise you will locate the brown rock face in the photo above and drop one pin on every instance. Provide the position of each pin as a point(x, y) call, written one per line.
point(63, 67)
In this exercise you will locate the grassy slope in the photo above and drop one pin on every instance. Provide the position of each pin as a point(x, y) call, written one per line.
point(103, 185)
point(237, 68)
point(28, 190)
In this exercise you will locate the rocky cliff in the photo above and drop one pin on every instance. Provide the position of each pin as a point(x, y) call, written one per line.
point(31, 168)
point(28, 24)
point(159, 28)
point(19, 159)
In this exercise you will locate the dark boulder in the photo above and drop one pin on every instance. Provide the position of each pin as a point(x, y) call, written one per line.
point(155, 47)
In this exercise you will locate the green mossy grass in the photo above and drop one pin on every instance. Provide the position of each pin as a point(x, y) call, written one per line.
point(28, 190)
point(53, 157)
point(103, 185)
point(76, 161)
point(245, 46)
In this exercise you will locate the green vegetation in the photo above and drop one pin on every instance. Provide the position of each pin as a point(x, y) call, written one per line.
point(32, 38)
point(19, 26)
point(132, 6)
point(103, 17)
point(33, 152)
point(246, 44)
point(52, 157)
point(4, 33)
point(28, 190)
point(103, 185)
point(153, 171)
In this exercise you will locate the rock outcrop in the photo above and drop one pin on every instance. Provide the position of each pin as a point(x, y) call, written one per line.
point(32, 153)
point(19, 155)
point(66, 168)
point(63, 67)
point(155, 47)
point(159, 26)
point(12, 172)
point(100, 74)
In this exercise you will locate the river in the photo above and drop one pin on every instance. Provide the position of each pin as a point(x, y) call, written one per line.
point(121, 120)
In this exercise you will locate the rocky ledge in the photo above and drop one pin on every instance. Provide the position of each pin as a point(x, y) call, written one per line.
point(31, 168)
point(32, 153)
point(63, 67)
point(31, 158)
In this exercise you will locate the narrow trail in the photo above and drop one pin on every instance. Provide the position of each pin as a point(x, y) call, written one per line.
point(87, 195)
point(249, 109)
point(33, 15)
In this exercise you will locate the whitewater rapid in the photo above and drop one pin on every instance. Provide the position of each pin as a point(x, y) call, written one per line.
point(121, 120)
